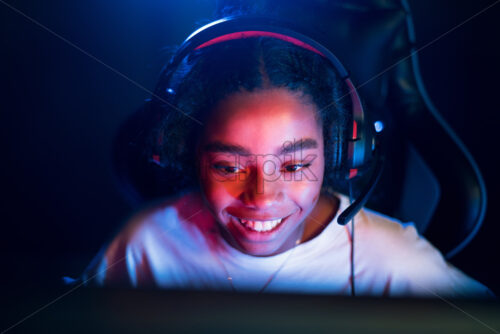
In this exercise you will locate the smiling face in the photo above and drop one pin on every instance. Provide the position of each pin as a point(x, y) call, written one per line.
point(261, 166)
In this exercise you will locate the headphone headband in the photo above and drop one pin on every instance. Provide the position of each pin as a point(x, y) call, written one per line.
point(254, 33)
point(266, 25)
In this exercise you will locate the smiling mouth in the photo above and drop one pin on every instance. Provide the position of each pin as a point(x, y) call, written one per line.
point(261, 225)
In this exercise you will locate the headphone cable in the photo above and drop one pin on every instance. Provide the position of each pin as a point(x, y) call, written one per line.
point(353, 290)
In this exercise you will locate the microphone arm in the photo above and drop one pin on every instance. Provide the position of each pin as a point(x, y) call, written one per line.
point(354, 208)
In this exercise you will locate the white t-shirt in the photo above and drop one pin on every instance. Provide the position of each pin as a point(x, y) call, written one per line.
point(176, 244)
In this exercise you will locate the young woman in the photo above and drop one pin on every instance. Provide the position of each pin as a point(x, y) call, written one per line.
point(248, 136)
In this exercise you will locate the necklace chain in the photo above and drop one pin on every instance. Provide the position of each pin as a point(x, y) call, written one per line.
point(270, 279)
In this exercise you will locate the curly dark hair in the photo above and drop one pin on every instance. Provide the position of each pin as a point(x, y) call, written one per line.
point(208, 75)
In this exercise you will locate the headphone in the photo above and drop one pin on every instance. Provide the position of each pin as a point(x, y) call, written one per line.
point(362, 142)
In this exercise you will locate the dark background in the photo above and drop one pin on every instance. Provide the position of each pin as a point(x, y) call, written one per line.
point(60, 109)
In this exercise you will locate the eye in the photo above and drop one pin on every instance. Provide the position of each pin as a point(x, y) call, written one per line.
point(295, 167)
point(226, 169)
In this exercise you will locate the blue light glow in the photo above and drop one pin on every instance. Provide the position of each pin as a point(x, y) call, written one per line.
point(379, 126)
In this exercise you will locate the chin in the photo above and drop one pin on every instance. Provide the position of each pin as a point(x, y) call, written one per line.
point(259, 249)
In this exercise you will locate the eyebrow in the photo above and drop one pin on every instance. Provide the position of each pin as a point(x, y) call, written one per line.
point(302, 144)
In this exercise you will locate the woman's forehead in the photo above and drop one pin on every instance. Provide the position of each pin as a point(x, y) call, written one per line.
point(270, 97)
point(263, 120)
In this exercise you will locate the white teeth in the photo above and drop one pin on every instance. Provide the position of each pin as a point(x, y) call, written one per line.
point(267, 225)
point(261, 226)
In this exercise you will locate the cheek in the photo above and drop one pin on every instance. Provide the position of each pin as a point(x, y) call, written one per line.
point(305, 192)
point(221, 190)
point(218, 192)
point(217, 196)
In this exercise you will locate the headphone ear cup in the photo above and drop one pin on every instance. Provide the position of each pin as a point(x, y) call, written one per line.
point(361, 152)
point(337, 153)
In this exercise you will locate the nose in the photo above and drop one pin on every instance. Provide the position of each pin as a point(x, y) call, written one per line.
point(262, 190)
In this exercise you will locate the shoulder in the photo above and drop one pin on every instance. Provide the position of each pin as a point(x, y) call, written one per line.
point(412, 264)
point(391, 245)
point(152, 229)
point(170, 216)
point(389, 236)
point(385, 240)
